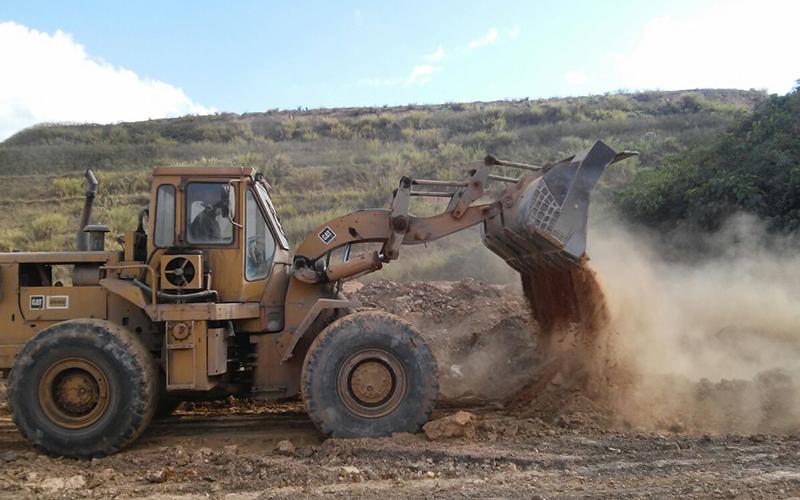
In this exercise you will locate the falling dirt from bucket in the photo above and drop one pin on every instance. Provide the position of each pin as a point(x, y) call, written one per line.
point(573, 337)
point(563, 297)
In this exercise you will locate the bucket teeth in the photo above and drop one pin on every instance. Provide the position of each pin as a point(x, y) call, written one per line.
point(546, 224)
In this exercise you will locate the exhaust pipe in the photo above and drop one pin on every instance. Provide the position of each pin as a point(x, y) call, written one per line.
point(82, 237)
point(544, 222)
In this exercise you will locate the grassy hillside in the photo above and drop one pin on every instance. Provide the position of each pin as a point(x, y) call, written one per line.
point(326, 162)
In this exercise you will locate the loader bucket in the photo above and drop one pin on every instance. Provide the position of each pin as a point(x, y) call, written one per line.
point(544, 221)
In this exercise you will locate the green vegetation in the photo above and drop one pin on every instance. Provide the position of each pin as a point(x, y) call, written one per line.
point(323, 163)
point(753, 167)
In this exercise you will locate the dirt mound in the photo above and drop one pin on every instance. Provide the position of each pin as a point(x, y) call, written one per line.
point(539, 349)
point(434, 300)
point(479, 333)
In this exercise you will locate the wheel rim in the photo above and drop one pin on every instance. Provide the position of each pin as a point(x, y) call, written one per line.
point(371, 383)
point(74, 393)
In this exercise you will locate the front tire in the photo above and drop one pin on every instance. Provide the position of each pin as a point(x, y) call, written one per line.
point(83, 388)
point(369, 374)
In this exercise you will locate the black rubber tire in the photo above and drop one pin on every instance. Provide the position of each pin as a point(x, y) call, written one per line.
point(166, 403)
point(349, 335)
point(131, 377)
point(165, 406)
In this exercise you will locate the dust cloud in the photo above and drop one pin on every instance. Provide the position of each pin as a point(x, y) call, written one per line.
point(707, 340)
point(640, 337)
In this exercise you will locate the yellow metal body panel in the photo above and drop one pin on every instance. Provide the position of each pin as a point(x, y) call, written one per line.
point(57, 257)
point(217, 348)
point(125, 289)
point(14, 331)
point(7, 354)
point(58, 303)
point(188, 351)
point(25, 311)
point(203, 311)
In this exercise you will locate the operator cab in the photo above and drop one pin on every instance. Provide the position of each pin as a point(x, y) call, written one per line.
point(217, 229)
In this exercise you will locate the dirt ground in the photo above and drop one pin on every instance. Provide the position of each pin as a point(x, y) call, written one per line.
point(564, 444)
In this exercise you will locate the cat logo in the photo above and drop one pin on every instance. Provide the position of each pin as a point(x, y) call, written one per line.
point(37, 301)
point(327, 235)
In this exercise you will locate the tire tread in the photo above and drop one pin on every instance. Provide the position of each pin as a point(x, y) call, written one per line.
point(122, 346)
point(320, 347)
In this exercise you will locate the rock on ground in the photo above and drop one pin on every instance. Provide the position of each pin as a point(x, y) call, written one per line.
point(458, 425)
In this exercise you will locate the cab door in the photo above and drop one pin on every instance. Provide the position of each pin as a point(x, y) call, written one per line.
point(266, 261)
point(259, 242)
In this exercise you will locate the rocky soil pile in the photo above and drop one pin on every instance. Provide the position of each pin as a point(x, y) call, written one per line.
point(479, 333)
point(564, 369)
point(491, 349)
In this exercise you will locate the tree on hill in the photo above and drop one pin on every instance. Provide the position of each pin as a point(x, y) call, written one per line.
point(753, 167)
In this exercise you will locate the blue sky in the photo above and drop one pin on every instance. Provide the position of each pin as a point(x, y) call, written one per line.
point(205, 56)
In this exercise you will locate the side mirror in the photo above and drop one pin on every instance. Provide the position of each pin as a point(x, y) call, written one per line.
point(144, 219)
point(229, 203)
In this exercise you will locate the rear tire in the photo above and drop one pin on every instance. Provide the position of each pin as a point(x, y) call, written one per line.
point(369, 374)
point(83, 388)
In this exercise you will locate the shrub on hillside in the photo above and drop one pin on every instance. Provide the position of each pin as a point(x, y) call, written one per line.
point(47, 225)
point(753, 167)
point(67, 187)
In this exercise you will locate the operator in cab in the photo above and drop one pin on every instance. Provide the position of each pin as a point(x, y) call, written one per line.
point(209, 209)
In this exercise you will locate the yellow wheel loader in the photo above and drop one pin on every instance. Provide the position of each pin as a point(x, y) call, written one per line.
point(206, 300)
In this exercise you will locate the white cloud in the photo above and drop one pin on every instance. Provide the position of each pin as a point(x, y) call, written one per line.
point(732, 44)
point(575, 78)
point(514, 32)
point(436, 56)
point(51, 78)
point(420, 75)
point(489, 38)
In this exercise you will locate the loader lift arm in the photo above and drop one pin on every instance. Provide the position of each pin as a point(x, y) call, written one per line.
point(528, 211)
point(394, 226)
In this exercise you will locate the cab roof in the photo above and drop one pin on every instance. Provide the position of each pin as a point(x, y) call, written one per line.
point(227, 172)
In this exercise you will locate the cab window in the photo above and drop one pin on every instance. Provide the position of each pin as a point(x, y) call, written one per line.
point(259, 243)
point(207, 213)
point(165, 216)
